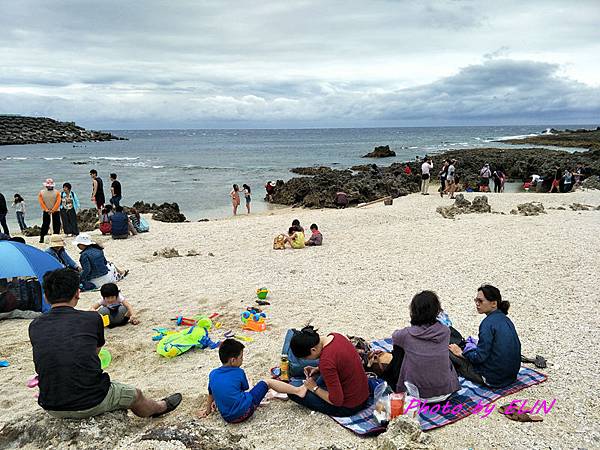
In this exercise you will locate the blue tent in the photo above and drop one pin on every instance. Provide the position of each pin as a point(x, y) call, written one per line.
point(21, 260)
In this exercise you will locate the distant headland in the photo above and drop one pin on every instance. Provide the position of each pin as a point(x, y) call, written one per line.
point(19, 130)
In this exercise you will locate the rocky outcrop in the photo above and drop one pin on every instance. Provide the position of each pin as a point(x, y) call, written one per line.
point(16, 130)
point(529, 209)
point(87, 220)
point(319, 191)
point(383, 151)
point(463, 206)
point(582, 138)
point(167, 212)
point(592, 182)
point(32, 231)
point(115, 430)
point(310, 170)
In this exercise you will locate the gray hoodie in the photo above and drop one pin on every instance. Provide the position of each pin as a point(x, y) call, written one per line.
point(426, 362)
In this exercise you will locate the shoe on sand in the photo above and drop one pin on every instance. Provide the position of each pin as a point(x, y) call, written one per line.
point(172, 402)
point(523, 417)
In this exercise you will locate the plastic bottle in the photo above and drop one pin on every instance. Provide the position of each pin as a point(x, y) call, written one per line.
point(284, 366)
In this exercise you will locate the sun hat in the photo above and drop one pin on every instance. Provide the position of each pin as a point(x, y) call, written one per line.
point(49, 182)
point(82, 239)
point(56, 241)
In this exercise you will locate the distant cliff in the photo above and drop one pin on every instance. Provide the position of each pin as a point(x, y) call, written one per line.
point(15, 130)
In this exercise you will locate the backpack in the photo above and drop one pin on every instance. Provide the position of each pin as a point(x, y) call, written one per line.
point(279, 242)
point(144, 226)
point(297, 365)
point(105, 225)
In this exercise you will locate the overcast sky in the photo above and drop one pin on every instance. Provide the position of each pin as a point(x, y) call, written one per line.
point(301, 63)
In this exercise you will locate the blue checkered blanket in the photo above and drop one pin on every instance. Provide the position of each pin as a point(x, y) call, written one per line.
point(469, 396)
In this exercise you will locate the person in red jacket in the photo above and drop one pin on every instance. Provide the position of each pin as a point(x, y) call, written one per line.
point(338, 386)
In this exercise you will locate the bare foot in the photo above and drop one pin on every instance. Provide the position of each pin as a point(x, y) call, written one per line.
point(302, 390)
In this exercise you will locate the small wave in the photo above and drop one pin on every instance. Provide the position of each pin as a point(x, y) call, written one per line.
point(520, 136)
point(17, 158)
point(115, 158)
point(192, 167)
point(128, 164)
point(158, 167)
point(548, 131)
point(55, 158)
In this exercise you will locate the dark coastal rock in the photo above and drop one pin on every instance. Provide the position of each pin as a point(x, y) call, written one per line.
point(32, 231)
point(87, 220)
point(383, 151)
point(310, 170)
point(463, 206)
point(16, 130)
point(592, 182)
point(320, 190)
point(167, 212)
point(583, 138)
point(529, 209)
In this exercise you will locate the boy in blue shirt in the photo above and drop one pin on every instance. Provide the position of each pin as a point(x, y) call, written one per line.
point(228, 386)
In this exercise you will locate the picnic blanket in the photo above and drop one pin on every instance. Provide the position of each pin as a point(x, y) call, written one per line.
point(470, 395)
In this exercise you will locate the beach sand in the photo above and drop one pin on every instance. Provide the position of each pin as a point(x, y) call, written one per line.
point(360, 282)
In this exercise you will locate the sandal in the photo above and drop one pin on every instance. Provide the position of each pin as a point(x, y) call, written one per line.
point(539, 361)
point(172, 402)
point(523, 417)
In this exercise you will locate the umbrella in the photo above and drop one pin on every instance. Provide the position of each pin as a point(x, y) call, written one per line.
point(21, 260)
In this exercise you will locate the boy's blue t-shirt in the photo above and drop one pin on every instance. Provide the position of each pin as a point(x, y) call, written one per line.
point(228, 386)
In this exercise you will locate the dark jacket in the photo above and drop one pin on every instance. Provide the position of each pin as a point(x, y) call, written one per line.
point(120, 223)
point(93, 264)
point(497, 357)
point(61, 255)
point(426, 363)
point(3, 208)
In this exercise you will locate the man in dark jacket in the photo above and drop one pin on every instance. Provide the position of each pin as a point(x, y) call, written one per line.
point(3, 213)
point(121, 226)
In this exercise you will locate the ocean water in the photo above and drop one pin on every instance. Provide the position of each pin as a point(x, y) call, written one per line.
point(196, 168)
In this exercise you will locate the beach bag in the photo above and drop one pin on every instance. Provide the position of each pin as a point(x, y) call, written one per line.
point(105, 227)
point(279, 242)
point(297, 365)
point(144, 226)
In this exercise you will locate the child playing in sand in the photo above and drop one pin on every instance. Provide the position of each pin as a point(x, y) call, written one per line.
point(228, 386)
point(295, 237)
point(115, 306)
point(316, 238)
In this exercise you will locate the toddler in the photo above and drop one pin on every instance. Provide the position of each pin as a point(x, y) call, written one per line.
point(115, 306)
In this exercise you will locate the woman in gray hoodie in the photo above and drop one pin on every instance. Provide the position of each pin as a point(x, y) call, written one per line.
point(426, 362)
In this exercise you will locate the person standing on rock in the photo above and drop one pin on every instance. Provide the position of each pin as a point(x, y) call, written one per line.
point(485, 173)
point(115, 190)
point(97, 191)
point(426, 167)
point(3, 213)
point(556, 181)
point(69, 204)
point(50, 203)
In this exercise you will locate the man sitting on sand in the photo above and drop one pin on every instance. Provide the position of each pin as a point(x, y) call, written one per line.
point(65, 345)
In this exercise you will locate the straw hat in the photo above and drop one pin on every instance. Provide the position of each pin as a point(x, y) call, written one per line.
point(56, 241)
point(49, 183)
point(82, 239)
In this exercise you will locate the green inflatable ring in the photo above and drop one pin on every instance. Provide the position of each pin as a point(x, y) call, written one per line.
point(105, 358)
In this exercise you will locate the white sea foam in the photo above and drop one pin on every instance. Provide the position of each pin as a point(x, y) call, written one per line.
point(55, 158)
point(520, 136)
point(158, 167)
point(17, 158)
point(115, 158)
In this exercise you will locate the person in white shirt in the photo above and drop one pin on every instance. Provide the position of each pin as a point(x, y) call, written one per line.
point(450, 181)
point(425, 176)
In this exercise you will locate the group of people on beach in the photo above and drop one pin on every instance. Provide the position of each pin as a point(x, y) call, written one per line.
point(235, 197)
point(59, 208)
point(447, 176)
point(296, 239)
point(427, 357)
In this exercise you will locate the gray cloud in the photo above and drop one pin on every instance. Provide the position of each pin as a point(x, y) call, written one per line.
point(305, 62)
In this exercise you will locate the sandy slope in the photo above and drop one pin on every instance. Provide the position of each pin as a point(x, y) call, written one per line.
point(360, 282)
